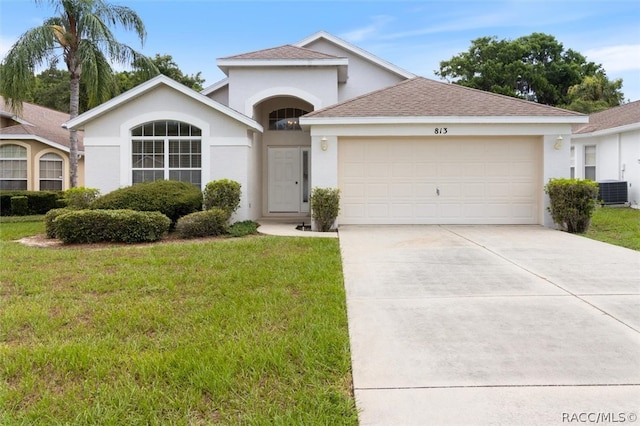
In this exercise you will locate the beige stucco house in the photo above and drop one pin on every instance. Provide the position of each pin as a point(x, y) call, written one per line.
point(34, 149)
point(325, 113)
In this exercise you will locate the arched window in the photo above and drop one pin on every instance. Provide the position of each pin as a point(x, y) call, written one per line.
point(166, 150)
point(13, 167)
point(286, 119)
point(50, 172)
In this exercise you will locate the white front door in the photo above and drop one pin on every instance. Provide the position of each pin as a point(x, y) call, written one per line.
point(288, 179)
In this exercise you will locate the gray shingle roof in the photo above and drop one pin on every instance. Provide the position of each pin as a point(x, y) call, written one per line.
point(422, 97)
point(283, 52)
point(622, 115)
point(40, 121)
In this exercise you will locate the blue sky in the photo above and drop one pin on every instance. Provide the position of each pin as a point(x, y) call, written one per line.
point(415, 35)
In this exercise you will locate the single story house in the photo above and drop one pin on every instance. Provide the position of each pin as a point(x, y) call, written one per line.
point(324, 113)
point(34, 149)
point(608, 148)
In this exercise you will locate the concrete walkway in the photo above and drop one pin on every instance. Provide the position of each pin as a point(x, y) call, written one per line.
point(512, 325)
point(288, 229)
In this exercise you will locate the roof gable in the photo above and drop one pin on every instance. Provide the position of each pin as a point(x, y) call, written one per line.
point(421, 97)
point(301, 51)
point(38, 123)
point(621, 116)
point(148, 86)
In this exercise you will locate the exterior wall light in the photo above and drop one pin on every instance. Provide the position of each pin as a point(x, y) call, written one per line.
point(324, 144)
point(558, 143)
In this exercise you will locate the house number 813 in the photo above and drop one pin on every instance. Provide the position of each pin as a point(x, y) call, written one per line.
point(440, 131)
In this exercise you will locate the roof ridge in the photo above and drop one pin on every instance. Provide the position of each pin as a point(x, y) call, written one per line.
point(288, 45)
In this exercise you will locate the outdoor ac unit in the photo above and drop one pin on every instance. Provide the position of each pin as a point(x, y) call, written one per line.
point(613, 192)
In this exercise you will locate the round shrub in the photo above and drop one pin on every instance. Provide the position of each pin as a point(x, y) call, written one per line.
point(50, 224)
point(572, 202)
point(81, 197)
point(223, 194)
point(126, 226)
point(203, 224)
point(172, 198)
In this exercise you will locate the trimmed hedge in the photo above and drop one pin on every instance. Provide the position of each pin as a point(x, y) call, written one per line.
point(38, 202)
point(126, 226)
point(203, 224)
point(172, 198)
point(241, 229)
point(572, 202)
point(50, 224)
point(224, 194)
point(20, 205)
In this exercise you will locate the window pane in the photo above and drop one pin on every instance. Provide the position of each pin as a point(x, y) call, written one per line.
point(13, 151)
point(13, 184)
point(136, 131)
point(285, 119)
point(590, 155)
point(184, 129)
point(191, 176)
point(148, 129)
point(51, 185)
point(160, 128)
point(13, 169)
point(195, 131)
point(590, 172)
point(173, 128)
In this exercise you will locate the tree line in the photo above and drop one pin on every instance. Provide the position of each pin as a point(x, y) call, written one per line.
point(50, 88)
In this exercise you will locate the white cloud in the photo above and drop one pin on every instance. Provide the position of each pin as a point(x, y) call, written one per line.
point(371, 30)
point(618, 58)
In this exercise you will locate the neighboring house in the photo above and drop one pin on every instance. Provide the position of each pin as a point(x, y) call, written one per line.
point(324, 113)
point(34, 149)
point(608, 148)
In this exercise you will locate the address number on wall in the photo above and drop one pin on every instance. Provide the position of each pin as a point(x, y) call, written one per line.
point(440, 131)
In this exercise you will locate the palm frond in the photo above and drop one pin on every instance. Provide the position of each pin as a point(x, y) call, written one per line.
point(33, 48)
point(97, 74)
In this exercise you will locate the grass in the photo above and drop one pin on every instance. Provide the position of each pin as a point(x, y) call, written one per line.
point(616, 225)
point(230, 331)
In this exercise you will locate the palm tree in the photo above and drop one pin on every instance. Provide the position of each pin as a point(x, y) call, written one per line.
point(80, 34)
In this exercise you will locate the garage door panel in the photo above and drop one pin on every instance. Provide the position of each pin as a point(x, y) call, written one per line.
point(440, 180)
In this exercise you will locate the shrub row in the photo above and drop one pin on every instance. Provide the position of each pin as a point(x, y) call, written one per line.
point(93, 226)
point(38, 202)
point(172, 198)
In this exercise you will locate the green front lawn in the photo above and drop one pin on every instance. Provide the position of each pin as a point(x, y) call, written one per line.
point(228, 331)
point(616, 225)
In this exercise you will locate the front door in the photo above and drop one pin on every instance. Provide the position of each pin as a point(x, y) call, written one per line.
point(288, 179)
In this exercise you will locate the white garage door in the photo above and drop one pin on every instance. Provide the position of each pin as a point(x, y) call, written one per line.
point(440, 181)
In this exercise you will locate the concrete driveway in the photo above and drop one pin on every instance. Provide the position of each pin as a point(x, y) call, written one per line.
point(491, 325)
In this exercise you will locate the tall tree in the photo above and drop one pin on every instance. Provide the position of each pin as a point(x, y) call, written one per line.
point(80, 33)
point(595, 93)
point(166, 66)
point(534, 67)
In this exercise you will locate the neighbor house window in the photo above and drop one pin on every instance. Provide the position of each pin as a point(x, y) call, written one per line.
point(13, 167)
point(590, 162)
point(51, 172)
point(166, 150)
point(573, 162)
point(286, 119)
